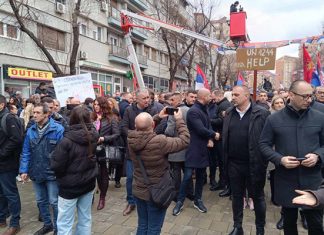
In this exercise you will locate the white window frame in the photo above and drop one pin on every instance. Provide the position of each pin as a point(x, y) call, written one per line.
point(5, 31)
point(81, 29)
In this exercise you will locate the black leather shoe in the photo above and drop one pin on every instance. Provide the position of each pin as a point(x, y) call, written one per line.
point(225, 193)
point(44, 230)
point(303, 220)
point(216, 187)
point(280, 223)
point(237, 231)
point(259, 231)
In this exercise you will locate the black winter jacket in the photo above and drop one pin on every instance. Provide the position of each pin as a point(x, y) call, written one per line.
point(257, 164)
point(289, 133)
point(11, 145)
point(74, 162)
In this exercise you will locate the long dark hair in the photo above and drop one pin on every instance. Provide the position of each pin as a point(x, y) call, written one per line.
point(80, 115)
point(106, 110)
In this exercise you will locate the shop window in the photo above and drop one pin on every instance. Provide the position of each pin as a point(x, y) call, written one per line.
point(117, 80)
point(51, 38)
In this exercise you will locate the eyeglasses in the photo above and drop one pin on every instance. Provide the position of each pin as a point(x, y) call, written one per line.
point(304, 97)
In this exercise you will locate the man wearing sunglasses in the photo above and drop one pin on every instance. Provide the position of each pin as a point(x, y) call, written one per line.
point(293, 139)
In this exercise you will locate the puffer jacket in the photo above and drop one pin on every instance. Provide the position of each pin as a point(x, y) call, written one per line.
point(154, 150)
point(74, 162)
point(36, 154)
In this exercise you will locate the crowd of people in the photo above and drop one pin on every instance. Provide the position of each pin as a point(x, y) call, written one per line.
point(225, 137)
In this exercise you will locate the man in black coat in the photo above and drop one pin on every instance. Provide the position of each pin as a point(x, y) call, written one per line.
point(10, 147)
point(197, 156)
point(319, 93)
point(127, 100)
point(217, 123)
point(293, 139)
point(246, 168)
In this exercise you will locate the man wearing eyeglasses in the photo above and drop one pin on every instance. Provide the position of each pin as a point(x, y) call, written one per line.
point(319, 94)
point(293, 139)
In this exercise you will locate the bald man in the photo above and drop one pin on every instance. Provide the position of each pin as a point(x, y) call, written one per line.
point(197, 155)
point(153, 150)
point(245, 165)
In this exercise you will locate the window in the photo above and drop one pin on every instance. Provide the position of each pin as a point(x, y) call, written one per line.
point(99, 30)
point(94, 35)
point(154, 58)
point(83, 29)
point(51, 38)
point(113, 41)
point(9, 31)
point(61, 1)
point(147, 51)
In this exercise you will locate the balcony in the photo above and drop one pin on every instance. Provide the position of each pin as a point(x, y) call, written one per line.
point(119, 55)
point(139, 32)
point(181, 74)
point(114, 17)
point(141, 4)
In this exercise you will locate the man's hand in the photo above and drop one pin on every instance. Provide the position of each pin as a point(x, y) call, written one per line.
point(178, 114)
point(311, 160)
point(24, 177)
point(101, 139)
point(306, 198)
point(217, 136)
point(210, 144)
point(163, 113)
point(290, 162)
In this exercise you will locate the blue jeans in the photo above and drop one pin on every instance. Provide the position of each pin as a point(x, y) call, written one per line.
point(150, 218)
point(187, 177)
point(66, 213)
point(47, 195)
point(9, 198)
point(129, 182)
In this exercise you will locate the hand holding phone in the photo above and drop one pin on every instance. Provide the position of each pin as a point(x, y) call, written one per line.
point(170, 110)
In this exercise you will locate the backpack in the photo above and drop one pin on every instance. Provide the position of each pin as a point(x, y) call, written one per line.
point(20, 124)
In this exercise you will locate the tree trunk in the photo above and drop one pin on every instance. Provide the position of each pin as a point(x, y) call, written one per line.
point(75, 30)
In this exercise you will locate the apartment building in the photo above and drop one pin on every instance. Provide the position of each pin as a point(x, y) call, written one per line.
point(285, 68)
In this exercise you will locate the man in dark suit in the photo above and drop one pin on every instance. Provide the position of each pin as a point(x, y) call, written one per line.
point(246, 168)
point(293, 139)
point(197, 156)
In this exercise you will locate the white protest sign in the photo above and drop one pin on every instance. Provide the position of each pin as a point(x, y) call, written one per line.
point(78, 86)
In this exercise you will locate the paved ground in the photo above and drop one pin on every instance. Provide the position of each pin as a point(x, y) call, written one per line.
point(110, 221)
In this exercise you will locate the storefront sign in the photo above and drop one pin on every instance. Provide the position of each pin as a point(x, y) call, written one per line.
point(29, 74)
point(78, 86)
point(256, 58)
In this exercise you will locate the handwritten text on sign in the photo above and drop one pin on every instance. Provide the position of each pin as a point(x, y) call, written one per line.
point(256, 58)
point(78, 86)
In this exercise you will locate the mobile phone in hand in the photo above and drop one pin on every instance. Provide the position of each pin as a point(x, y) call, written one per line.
point(170, 110)
point(300, 159)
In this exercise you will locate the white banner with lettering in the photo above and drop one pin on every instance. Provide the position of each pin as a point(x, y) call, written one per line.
point(78, 86)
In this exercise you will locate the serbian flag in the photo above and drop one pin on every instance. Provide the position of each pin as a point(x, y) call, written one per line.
point(201, 80)
point(319, 69)
point(240, 80)
point(308, 65)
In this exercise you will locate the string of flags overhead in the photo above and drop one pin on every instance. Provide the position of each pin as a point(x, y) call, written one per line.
point(319, 39)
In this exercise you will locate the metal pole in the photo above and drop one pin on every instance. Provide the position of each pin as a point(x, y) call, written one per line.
point(255, 84)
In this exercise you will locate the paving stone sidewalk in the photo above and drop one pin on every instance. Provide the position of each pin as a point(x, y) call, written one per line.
point(110, 221)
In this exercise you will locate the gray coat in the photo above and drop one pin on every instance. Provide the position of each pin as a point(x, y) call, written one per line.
point(171, 131)
point(289, 133)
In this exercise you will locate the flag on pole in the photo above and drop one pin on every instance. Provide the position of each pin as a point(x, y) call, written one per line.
point(319, 69)
point(240, 79)
point(201, 80)
point(308, 65)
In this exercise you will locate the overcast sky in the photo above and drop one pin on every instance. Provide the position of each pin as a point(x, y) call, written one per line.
point(274, 20)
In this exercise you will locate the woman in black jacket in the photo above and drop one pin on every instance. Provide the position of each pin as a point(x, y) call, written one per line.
point(75, 167)
point(107, 125)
